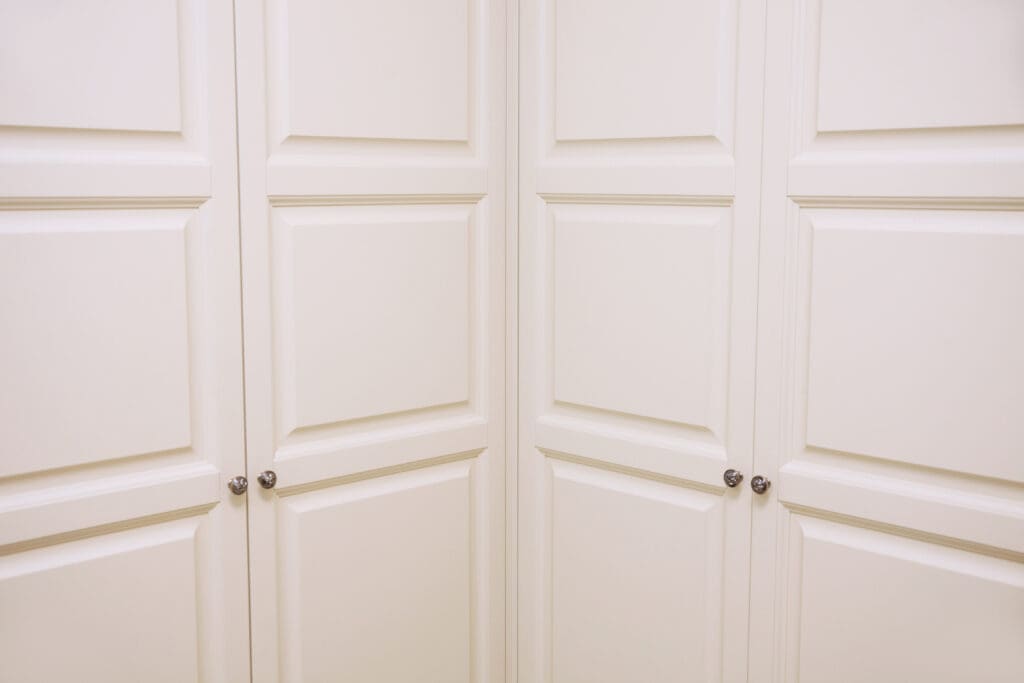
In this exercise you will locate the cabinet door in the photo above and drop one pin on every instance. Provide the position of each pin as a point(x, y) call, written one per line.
point(640, 163)
point(372, 170)
point(122, 552)
point(891, 361)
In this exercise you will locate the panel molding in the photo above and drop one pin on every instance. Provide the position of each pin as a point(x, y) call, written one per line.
point(697, 546)
point(930, 512)
point(725, 200)
point(387, 494)
point(48, 516)
point(697, 462)
point(319, 463)
point(986, 203)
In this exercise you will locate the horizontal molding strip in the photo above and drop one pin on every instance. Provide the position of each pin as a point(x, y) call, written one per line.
point(639, 199)
point(669, 180)
point(65, 203)
point(662, 457)
point(374, 199)
point(297, 178)
point(298, 465)
point(947, 203)
point(940, 511)
point(135, 178)
point(837, 175)
point(65, 509)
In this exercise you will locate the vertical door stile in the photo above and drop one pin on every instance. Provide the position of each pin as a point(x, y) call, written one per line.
point(891, 544)
point(639, 192)
point(373, 255)
point(122, 550)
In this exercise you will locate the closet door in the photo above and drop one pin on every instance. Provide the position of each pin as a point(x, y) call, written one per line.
point(372, 169)
point(891, 361)
point(640, 163)
point(122, 551)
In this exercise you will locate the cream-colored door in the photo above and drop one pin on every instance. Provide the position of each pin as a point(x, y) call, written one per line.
point(640, 168)
point(890, 406)
point(122, 552)
point(373, 200)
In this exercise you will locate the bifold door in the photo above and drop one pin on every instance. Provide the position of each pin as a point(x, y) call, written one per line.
point(891, 360)
point(372, 140)
point(640, 168)
point(122, 552)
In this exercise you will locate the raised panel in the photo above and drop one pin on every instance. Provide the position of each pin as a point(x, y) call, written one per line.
point(638, 309)
point(880, 607)
point(920, 64)
point(636, 571)
point(373, 310)
point(379, 69)
point(79, 65)
point(652, 72)
point(95, 363)
point(376, 579)
point(119, 608)
point(917, 337)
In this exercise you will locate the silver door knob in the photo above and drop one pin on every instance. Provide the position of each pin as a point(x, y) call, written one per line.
point(267, 479)
point(238, 485)
point(759, 484)
point(732, 478)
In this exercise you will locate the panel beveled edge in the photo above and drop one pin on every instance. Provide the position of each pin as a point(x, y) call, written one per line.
point(909, 545)
point(930, 162)
point(109, 217)
point(347, 149)
point(950, 216)
point(294, 437)
point(714, 145)
point(183, 142)
point(705, 503)
point(710, 212)
point(380, 485)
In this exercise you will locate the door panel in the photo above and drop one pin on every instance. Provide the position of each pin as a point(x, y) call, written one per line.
point(373, 176)
point(122, 552)
point(415, 574)
point(853, 579)
point(640, 142)
point(890, 329)
point(659, 545)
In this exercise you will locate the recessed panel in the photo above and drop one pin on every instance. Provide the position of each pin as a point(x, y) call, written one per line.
point(920, 64)
point(636, 571)
point(376, 579)
point(651, 72)
point(373, 310)
point(386, 69)
point(637, 303)
point(917, 338)
point(110, 64)
point(878, 607)
point(95, 351)
point(120, 609)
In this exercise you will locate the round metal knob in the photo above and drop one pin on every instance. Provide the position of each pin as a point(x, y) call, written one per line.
point(732, 478)
point(267, 479)
point(759, 484)
point(238, 485)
